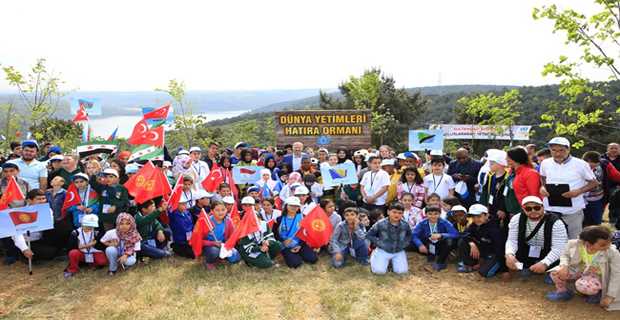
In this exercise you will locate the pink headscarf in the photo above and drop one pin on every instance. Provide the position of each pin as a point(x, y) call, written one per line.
point(131, 237)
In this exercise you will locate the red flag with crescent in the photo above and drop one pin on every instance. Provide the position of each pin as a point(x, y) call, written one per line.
point(160, 113)
point(153, 137)
point(213, 180)
point(81, 114)
point(11, 193)
point(72, 198)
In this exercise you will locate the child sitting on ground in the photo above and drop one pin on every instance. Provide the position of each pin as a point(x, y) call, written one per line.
point(86, 246)
point(482, 247)
point(431, 237)
point(348, 239)
point(181, 226)
point(154, 240)
point(123, 243)
point(213, 242)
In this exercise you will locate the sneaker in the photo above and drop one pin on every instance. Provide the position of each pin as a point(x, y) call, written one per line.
point(68, 275)
point(364, 262)
point(439, 266)
point(210, 266)
point(548, 279)
point(559, 296)
point(111, 273)
point(462, 268)
point(595, 299)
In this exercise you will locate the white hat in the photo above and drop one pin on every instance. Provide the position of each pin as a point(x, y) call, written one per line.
point(458, 208)
point(477, 209)
point(228, 200)
point(533, 199)
point(59, 157)
point(387, 162)
point(201, 194)
point(248, 200)
point(360, 153)
point(314, 160)
point(181, 152)
point(90, 220)
point(560, 141)
point(323, 150)
point(167, 164)
point(293, 201)
point(497, 156)
point(110, 171)
point(301, 190)
point(195, 149)
point(368, 155)
point(81, 176)
point(436, 153)
point(132, 168)
point(401, 156)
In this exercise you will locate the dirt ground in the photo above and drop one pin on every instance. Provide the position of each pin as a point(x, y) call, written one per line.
point(183, 289)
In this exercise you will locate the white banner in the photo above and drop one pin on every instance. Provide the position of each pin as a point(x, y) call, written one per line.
point(478, 132)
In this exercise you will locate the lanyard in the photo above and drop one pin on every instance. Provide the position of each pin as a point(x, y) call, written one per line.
point(199, 170)
point(410, 188)
point(92, 235)
point(189, 199)
point(489, 182)
point(84, 199)
point(436, 184)
point(288, 228)
point(432, 227)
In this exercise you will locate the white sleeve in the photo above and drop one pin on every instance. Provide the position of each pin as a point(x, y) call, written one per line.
point(543, 168)
point(559, 238)
point(108, 236)
point(449, 181)
point(512, 244)
point(385, 180)
point(586, 172)
point(20, 242)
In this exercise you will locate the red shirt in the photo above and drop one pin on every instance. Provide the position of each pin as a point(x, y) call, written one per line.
point(526, 183)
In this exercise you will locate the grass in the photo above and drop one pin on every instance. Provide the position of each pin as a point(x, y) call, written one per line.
point(183, 289)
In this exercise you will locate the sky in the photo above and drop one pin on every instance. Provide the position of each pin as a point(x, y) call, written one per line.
point(258, 45)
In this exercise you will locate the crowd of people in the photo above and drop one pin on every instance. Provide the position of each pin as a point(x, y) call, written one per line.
point(514, 213)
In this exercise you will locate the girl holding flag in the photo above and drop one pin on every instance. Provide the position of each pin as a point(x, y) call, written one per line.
point(295, 251)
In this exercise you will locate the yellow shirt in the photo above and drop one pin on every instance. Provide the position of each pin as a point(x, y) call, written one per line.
point(391, 193)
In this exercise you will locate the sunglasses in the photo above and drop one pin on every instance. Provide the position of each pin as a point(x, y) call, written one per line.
point(534, 208)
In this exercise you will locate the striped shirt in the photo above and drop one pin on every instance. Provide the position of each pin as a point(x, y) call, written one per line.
point(559, 238)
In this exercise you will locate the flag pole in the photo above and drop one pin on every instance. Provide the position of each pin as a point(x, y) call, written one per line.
point(29, 248)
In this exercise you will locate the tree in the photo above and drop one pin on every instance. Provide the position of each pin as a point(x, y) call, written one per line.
point(185, 123)
point(63, 133)
point(498, 111)
point(39, 90)
point(11, 121)
point(393, 110)
point(596, 37)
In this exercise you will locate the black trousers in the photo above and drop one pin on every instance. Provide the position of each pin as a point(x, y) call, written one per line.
point(442, 249)
point(296, 259)
point(182, 249)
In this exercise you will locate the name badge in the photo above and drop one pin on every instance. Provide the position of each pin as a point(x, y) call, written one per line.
point(535, 251)
point(431, 249)
point(89, 258)
point(106, 208)
point(506, 190)
point(490, 199)
point(188, 235)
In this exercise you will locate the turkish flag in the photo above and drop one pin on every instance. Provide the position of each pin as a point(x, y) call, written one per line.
point(278, 203)
point(315, 229)
point(153, 137)
point(175, 196)
point(228, 178)
point(201, 229)
point(12, 193)
point(23, 217)
point(235, 216)
point(213, 180)
point(148, 183)
point(249, 224)
point(72, 198)
point(159, 113)
point(81, 114)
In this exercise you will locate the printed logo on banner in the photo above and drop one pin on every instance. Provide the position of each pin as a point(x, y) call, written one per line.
point(31, 218)
point(343, 173)
point(91, 105)
point(425, 140)
point(323, 140)
point(249, 174)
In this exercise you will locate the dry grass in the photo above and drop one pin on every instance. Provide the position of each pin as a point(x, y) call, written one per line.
point(182, 289)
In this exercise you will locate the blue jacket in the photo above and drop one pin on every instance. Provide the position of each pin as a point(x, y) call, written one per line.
point(388, 237)
point(423, 231)
point(180, 224)
point(56, 202)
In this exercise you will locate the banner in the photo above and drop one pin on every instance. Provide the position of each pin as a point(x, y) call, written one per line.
point(420, 140)
point(30, 218)
point(246, 174)
point(478, 132)
point(343, 173)
point(92, 106)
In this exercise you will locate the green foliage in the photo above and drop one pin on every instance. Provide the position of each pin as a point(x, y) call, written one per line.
point(596, 37)
point(11, 122)
point(64, 133)
point(39, 89)
point(394, 111)
point(498, 111)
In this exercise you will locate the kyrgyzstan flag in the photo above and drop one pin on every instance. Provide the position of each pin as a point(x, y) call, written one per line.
point(235, 216)
point(148, 183)
point(23, 217)
point(81, 114)
point(153, 137)
point(160, 113)
point(249, 224)
point(315, 229)
point(12, 193)
point(203, 226)
point(213, 180)
point(72, 198)
point(175, 196)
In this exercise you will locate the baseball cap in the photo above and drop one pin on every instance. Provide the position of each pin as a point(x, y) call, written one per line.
point(253, 189)
point(80, 176)
point(458, 208)
point(387, 162)
point(293, 201)
point(301, 190)
point(30, 144)
point(497, 156)
point(111, 172)
point(57, 157)
point(533, 199)
point(195, 149)
point(228, 200)
point(201, 194)
point(183, 152)
point(131, 168)
point(477, 209)
point(559, 141)
point(248, 200)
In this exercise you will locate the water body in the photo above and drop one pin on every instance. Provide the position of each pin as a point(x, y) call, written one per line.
point(103, 126)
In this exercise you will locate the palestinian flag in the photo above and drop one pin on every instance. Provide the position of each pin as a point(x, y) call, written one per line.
point(95, 147)
point(146, 152)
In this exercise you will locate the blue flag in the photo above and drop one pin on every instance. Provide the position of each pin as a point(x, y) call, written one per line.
point(343, 173)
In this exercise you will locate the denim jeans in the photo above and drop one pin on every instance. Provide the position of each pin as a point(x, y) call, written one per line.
point(361, 253)
point(212, 254)
point(113, 255)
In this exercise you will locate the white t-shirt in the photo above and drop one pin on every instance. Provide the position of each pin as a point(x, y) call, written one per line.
point(440, 185)
point(112, 235)
point(202, 171)
point(373, 181)
point(574, 172)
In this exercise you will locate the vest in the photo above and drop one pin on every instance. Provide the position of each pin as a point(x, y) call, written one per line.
point(523, 248)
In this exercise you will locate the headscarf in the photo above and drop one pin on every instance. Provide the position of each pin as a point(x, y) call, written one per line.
point(179, 165)
point(129, 238)
point(294, 177)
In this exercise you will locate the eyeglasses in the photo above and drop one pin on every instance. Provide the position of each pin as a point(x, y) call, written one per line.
point(534, 208)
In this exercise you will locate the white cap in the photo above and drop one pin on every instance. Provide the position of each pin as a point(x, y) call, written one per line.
point(195, 149)
point(59, 157)
point(477, 209)
point(167, 164)
point(80, 175)
point(314, 160)
point(185, 152)
point(293, 201)
point(436, 153)
point(533, 199)
point(248, 200)
point(110, 171)
point(401, 156)
point(201, 194)
point(301, 190)
point(360, 152)
point(560, 141)
point(387, 162)
point(368, 155)
point(323, 150)
point(459, 208)
point(90, 220)
point(228, 200)
point(132, 168)
point(497, 156)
